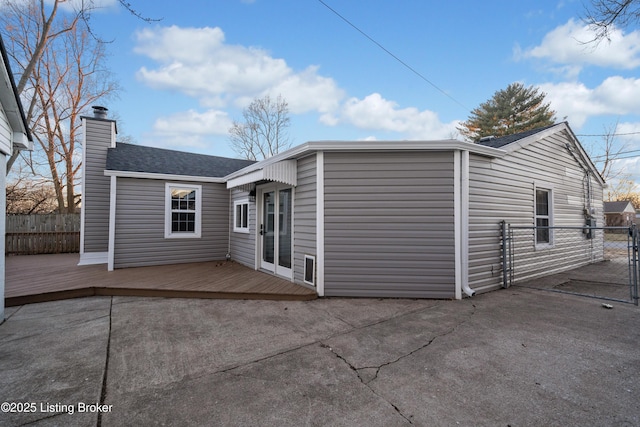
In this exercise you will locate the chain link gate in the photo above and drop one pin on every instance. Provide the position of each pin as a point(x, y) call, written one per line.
point(599, 262)
point(634, 262)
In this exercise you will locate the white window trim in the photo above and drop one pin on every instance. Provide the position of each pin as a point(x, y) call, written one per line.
point(168, 234)
point(549, 189)
point(237, 229)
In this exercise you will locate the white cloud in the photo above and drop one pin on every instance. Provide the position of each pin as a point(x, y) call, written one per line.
point(630, 132)
point(192, 122)
point(376, 113)
point(198, 62)
point(307, 91)
point(190, 128)
point(569, 44)
point(616, 95)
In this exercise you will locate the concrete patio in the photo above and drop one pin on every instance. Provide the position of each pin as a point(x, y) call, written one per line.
point(518, 357)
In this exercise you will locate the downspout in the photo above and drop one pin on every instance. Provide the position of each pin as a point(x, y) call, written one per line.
point(112, 223)
point(464, 226)
point(230, 225)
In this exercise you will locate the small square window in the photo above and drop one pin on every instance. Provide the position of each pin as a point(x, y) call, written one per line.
point(241, 216)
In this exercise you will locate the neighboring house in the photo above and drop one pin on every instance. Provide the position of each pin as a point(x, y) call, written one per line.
point(350, 218)
point(14, 135)
point(619, 214)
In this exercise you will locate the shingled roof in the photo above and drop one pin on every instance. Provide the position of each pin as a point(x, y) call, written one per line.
point(508, 139)
point(616, 207)
point(138, 158)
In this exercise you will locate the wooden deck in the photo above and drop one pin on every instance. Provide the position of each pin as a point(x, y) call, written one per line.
point(38, 278)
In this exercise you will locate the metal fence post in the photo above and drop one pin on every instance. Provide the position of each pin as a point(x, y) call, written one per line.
point(505, 261)
point(635, 262)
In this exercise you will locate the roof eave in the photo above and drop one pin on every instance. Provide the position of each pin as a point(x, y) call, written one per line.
point(337, 146)
point(22, 138)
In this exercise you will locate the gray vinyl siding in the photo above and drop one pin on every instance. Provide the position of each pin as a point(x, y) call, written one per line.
point(304, 216)
point(95, 200)
point(139, 237)
point(503, 189)
point(6, 134)
point(243, 244)
point(389, 224)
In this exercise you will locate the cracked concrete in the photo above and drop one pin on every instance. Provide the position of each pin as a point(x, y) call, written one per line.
point(513, 357)
point(53, 353)
point(401, 336)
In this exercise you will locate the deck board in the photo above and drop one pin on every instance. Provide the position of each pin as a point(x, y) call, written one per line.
point(38, 278)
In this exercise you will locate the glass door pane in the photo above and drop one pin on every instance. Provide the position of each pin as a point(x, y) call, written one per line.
point(284, 228)
point(268, 230)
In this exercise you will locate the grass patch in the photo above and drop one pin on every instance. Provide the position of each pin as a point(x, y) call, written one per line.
point(616, 237)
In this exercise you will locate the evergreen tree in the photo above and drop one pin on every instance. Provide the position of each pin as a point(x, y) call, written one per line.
point(512, 110)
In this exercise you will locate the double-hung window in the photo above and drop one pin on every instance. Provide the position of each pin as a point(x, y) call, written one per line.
point(241, 216)
point(183, 211)
point(544, 236)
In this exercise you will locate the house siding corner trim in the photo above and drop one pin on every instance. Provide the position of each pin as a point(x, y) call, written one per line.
point(320, 223)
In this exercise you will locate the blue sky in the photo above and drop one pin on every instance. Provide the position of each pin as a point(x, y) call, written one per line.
point(186, 77)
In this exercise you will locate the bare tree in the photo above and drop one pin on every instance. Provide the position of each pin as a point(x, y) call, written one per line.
point(624, 190)
point(621, 187)
point(610, 151)
point(604, 15)
point(28, 196)
point(66, 79)
point(42, 20)
point(264, 131)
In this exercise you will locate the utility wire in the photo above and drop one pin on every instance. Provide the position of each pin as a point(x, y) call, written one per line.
point(596, 159)
point(610, 134)
point(622, 152)
point(413, 70)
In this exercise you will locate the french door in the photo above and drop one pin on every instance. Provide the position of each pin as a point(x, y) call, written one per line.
point(275, 230)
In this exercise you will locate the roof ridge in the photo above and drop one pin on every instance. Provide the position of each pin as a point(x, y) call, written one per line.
point(501, 141)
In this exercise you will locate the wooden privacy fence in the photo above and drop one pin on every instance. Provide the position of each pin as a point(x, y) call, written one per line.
point(42, 234)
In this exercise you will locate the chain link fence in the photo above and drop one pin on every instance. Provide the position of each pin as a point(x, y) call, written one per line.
point(600, 262)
